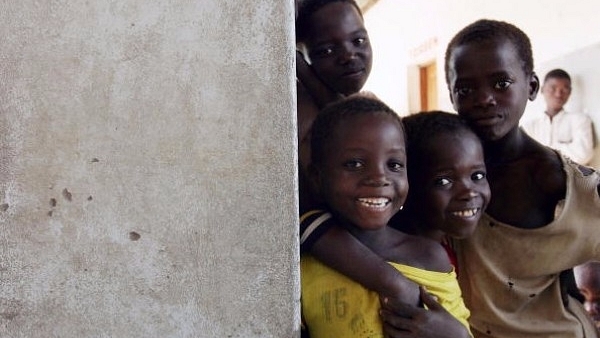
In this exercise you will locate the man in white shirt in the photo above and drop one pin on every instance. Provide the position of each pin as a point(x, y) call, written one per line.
point(570, 133)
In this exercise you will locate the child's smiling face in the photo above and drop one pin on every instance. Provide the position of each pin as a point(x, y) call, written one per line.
point(338, 47)
point(489, 87)
point(453, 191)
point(363, 179)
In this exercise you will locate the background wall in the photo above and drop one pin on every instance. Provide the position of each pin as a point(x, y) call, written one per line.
point(147, 169)
point(405, 35)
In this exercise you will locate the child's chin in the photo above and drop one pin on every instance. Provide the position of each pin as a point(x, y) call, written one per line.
point(374, 226)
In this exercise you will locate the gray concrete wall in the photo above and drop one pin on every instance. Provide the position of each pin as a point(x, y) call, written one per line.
point(147, 169)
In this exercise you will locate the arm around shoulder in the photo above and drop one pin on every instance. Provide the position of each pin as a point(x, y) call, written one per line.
point(338, 249)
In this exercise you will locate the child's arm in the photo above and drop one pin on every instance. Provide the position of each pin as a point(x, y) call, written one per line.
point(362, 265)
point(321, 93)
point(338, 249)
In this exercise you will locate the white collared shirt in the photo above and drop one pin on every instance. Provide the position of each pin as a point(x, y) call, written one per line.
point(569, 133)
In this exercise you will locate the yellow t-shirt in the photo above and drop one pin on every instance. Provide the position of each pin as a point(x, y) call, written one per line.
point(333, 305)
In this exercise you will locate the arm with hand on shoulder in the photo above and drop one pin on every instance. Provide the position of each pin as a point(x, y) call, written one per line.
point(319, 91)
point(337, 248)
point(433, 322)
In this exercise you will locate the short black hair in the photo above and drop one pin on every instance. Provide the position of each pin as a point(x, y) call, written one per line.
point(306, 8)
point(557, 74)
point(488, 30)
point(421, 127)
point(330, 117)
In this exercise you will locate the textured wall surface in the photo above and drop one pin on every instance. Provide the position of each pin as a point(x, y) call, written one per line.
point(147, 169)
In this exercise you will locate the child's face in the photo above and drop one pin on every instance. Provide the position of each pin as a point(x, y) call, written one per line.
point(450, 186)
point(588, 282)
point(363, 179)
point(338, 47)
point(488, 86)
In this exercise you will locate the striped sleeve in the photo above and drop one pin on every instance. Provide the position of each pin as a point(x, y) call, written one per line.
point(313, 224)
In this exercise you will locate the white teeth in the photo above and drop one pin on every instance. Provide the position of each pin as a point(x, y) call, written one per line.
point(376, 202)
point(466, 213)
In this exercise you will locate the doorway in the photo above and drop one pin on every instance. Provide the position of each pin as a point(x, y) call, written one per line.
point(428, 86)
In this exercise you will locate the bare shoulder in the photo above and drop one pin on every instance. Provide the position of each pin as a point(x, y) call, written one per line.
point(551, 176)
point(419, 252)
point(548, 173)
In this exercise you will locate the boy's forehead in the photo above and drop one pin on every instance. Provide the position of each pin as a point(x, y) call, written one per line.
point(454, 139)
point(335, 16)
point(362, 124)
point(495, 55)
point(469, 48)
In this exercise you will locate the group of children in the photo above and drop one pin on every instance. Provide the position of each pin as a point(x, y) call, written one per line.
point(511, 213)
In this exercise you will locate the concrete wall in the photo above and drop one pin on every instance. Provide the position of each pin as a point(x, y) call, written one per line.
point(147, 169)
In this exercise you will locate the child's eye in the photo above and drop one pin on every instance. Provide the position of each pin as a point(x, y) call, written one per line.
point(353, 164)
point(396, 166)
point(323, 51)
point(478, 176)
point(462, 91)
point(503, 84)
point(442, 181)
point(360, 41)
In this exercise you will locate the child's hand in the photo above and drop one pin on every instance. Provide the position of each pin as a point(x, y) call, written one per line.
point(318, 90)
point(302, 67)
point(401, 320)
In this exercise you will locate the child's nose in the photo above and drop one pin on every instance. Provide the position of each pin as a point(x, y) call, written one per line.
point(377, 177)
point(468, 190)
point(485, 97)
point(348, 53)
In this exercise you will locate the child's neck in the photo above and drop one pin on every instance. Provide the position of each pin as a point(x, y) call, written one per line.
point(418, 228)
point(370, 238)
point(506, 150)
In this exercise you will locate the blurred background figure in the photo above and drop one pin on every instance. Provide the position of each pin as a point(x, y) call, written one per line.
point(570, 133)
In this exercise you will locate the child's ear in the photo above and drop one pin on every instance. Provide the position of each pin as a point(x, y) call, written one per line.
point(534, 86)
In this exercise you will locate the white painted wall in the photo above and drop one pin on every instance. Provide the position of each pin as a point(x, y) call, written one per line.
point(148, 169)
point(402, 32)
